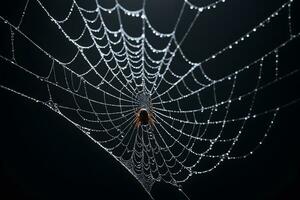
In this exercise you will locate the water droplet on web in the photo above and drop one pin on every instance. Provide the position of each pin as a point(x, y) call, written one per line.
point(113, 116)
point(180, 187)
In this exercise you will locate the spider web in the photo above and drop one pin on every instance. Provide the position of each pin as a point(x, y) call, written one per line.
point(113, 71)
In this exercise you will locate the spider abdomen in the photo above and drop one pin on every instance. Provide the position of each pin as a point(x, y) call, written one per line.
point(144, 117)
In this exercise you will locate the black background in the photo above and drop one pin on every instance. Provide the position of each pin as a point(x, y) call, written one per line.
point(42, 156)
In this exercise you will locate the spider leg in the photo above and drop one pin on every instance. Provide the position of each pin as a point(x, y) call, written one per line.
point(136, 121)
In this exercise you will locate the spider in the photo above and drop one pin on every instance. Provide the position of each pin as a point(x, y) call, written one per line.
point(143, 117)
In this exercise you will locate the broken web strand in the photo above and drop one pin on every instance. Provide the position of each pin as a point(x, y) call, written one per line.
point(140, 175)
point(23, 14)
